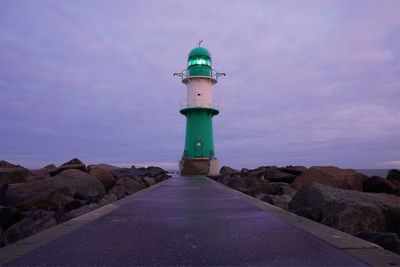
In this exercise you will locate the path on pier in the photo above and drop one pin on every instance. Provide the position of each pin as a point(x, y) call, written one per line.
point(187, 221)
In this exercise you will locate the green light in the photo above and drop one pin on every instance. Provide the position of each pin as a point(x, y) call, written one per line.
point(199, 61)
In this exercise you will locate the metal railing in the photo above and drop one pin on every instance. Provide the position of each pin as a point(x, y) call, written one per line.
point(185, 74)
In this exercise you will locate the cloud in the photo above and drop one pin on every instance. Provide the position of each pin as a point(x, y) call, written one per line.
point(308, 83)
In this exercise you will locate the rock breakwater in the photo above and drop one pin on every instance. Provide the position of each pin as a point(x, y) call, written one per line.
point(367, 207)
point(34, 200)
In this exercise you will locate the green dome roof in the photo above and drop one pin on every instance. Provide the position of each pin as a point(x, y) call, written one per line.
point(199, 52)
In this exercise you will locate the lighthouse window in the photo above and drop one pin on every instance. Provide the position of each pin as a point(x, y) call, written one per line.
point(199, 61)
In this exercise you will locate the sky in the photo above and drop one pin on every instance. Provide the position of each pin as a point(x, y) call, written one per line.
point(308, 82)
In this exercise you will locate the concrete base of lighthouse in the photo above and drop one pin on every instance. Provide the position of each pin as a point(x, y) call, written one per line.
point(198, 166)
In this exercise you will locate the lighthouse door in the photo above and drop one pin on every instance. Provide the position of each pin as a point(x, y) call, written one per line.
point(198, 147)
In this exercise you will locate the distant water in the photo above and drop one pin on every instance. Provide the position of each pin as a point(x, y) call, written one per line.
point(374, 172)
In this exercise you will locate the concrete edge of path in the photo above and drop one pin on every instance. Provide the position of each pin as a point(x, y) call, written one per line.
point(32, 242)
point(365, 251)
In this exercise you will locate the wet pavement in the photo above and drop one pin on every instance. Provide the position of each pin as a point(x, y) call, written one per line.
point(187, 221)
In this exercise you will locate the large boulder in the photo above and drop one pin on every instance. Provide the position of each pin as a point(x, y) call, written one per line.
point(120, 172)
point(155, 171)
point(244, 172)
point(281, 201)
point(332, 176)
point(350, 211)
point(41, 194)
point(295, 170)
point(44, 172)
point(78, 212)
point(103, 173)
point(8, 216)
point(394, 176)
point(235, 181)
point(274, 175)
point(140, 172)
point(225, 170)
point(75, 163)
point(123, 187)
point(33, 222)
point(41, 174)
point(259, 172)
point(161, 177)
point(3, 239)
point(149, 181)
point(5, 164)
point(10, 173)
point(389, 241)
point(81, 184)
point(272, 189)
point(376, 184)
point(3, 192)
point(132, 172)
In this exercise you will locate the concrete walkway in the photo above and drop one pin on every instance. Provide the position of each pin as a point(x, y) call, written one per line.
point(187, 221)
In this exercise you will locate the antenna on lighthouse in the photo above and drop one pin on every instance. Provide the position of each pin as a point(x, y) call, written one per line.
point(199, 43)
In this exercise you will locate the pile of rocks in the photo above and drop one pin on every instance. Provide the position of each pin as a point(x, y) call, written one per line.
point(367, 207)
point(33, 200)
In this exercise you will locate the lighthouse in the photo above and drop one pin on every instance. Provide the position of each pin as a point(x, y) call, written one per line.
point(199, 109)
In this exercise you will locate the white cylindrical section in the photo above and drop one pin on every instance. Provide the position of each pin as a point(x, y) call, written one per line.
point(199, 93)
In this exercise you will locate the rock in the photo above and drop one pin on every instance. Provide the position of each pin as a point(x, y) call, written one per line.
point(279, 176)
point(281, 201)
point(225, 170)
point(295, 170)
point(377, 184)
point(73, 205)
point(44, 172)
point(162, 177)
point(149, 181)
point(272, 189)
point(133, 172)
point(266, 198)
point(350, 211)
point(103, 173)
point(81, 184)
point(259, 172)
point(389, 241)
point(244, 172)
point(5, 164)
point(129, 185)
point(155, 171)
point(33, 178)
point(252, 181)
point(78, 212)
point(39, 194)
point(11, 174)
point(123, 187)
point(32, 223)
point(141, 172)
point(121, 172)
point(394, 176)
point(332, 176)
point(277, 189)
point(8, 216)
point(72, 164)
point(235, 181)
point(3, 192)
point(3, 239)
point(396, 191)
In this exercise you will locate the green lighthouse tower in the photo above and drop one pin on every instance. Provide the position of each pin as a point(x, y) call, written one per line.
point(199, 77)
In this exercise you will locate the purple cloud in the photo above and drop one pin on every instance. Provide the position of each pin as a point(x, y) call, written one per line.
point(310, 82)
